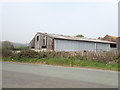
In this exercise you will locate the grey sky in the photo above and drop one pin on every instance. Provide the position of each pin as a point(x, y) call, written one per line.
point(21, 21)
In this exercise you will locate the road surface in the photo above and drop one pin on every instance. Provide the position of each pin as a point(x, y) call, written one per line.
point(20, 75)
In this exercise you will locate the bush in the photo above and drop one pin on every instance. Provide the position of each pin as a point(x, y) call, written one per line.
point(96, 56)
point(26, 54)
point(6, 53)
point(6, 49)
point(7, 45)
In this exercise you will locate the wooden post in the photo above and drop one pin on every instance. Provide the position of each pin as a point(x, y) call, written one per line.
point(53, 44)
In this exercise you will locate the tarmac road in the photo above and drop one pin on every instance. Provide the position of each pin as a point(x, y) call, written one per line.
point(19, 75)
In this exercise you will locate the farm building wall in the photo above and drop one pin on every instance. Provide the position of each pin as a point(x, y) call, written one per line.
point(39, 43)
point(32, 44)
point(102, 46)
point(49, 43)
point(70, 45)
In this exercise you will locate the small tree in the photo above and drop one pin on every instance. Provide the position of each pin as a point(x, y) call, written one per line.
point(7, 45)
point(6, 49)
point(80, 35)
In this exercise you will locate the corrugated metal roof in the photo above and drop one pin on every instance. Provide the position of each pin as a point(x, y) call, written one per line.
point(57, 36)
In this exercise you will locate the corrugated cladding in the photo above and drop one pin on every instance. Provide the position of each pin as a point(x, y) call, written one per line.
point(70, 45)
point(102, 46)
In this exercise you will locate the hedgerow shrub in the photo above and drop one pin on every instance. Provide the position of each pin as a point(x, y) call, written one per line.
point(6, 53)
point(26, 54)
point(97, 56)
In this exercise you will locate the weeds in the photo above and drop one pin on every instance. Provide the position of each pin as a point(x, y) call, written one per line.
point(103, 60)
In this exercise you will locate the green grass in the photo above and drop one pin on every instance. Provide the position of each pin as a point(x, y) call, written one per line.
point(68, 62)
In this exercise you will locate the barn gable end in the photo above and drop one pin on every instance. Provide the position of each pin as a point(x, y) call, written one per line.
point(41, 41)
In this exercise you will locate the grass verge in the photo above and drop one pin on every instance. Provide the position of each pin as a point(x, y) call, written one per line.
point(68, 62)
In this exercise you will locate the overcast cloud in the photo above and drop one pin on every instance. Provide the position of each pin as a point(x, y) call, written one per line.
point(21, 21)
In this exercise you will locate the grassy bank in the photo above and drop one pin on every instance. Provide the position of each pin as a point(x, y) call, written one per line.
point(98, 64)
point(100, 60)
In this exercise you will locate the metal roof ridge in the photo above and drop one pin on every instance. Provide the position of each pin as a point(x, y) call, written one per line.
point(75, 38)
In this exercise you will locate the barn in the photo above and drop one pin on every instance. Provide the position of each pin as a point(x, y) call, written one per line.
point(55, 42)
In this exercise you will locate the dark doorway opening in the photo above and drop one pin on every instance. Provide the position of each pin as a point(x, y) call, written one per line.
point(113, 46)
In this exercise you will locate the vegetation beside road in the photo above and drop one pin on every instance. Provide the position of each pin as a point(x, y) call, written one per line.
point(101, 60)
point(67, 62)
